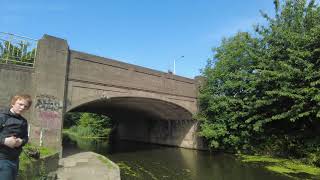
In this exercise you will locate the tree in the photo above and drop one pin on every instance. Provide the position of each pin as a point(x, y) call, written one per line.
point(267, 84)
point(99, 125)
point(224, 99)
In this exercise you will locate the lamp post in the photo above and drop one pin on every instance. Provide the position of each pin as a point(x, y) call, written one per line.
point(174, 64)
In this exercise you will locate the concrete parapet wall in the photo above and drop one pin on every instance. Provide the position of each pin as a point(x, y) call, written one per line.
point(90, 68)
point(14, 80)
point(106, 77)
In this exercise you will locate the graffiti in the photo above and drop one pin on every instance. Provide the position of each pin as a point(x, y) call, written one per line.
point(48, 103)
point(48, 111)
point(50, 115)
point(51, 123)
point(50, 119)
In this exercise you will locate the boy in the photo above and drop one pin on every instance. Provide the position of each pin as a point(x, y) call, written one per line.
point(13, 135)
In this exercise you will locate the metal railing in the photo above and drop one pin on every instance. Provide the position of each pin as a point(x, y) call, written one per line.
point(18, 50)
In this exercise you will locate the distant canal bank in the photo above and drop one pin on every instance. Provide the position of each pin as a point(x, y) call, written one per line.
point(147, 161)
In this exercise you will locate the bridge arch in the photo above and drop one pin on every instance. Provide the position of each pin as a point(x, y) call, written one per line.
point(152, 107)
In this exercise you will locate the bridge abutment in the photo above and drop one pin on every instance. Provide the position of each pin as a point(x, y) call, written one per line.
point(49, 91)
point(180, 133)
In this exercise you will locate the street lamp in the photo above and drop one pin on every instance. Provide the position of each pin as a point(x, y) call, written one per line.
point(174, 64)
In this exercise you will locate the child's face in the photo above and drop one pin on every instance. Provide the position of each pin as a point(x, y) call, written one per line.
point(20, 106)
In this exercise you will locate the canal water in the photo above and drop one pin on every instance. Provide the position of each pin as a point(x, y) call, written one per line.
point(139, 161)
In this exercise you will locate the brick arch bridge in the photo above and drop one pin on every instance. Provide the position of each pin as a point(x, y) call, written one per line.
point(150, 105)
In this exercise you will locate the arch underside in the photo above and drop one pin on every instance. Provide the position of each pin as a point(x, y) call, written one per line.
point(147, 107)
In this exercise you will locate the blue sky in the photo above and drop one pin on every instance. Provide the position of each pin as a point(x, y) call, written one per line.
point(148, 33)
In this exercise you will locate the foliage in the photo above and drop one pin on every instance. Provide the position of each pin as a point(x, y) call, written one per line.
point(224, 100)
point(290, 168)
point(17, 54)
point(89, 124)
point(71, 119)
point(264, 87)
point(27, 164)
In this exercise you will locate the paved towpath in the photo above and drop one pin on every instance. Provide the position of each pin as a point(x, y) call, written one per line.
point(87, 166)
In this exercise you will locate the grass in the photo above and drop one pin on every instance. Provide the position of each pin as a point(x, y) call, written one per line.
point(105, 161)
point(287, 167)
point(69, 132)
point(27, 162)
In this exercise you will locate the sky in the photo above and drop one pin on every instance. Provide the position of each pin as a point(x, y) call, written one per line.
point(148, 33)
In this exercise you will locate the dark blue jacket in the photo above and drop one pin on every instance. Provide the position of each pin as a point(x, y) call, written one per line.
point(12, 125)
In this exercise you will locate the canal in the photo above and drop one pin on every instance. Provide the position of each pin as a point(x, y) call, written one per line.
point(154, 162)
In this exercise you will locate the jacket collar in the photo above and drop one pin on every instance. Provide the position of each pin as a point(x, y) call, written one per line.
point(9, 113)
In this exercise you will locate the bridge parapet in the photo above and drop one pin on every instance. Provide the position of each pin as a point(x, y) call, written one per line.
point(96, 77)
point(98, 70)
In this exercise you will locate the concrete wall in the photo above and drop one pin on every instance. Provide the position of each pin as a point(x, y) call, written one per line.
point(49, 92)
point(180, 133)
point(92, 77)
point(14, 80)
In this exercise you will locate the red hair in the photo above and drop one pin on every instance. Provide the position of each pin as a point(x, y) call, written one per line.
point(21, 96)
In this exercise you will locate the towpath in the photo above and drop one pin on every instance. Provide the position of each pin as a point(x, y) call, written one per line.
point(87, 166)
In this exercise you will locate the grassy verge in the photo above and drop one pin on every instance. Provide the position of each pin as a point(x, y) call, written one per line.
point(70, 132)
point(287, 167)
point(27, 162)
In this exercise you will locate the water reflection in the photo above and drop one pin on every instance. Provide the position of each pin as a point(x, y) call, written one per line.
point(72, 145)
point(145, 161)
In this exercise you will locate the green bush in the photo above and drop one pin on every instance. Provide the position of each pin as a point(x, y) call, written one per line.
point(92, 125)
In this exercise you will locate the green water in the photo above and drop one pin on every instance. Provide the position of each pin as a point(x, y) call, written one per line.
point(154, 162)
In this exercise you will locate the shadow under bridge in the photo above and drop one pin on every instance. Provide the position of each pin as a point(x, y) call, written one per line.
point(144, 119)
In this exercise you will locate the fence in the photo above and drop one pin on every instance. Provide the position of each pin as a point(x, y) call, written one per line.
point(18, 50)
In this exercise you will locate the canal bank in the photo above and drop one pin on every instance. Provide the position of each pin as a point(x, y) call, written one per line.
point(87, 165)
